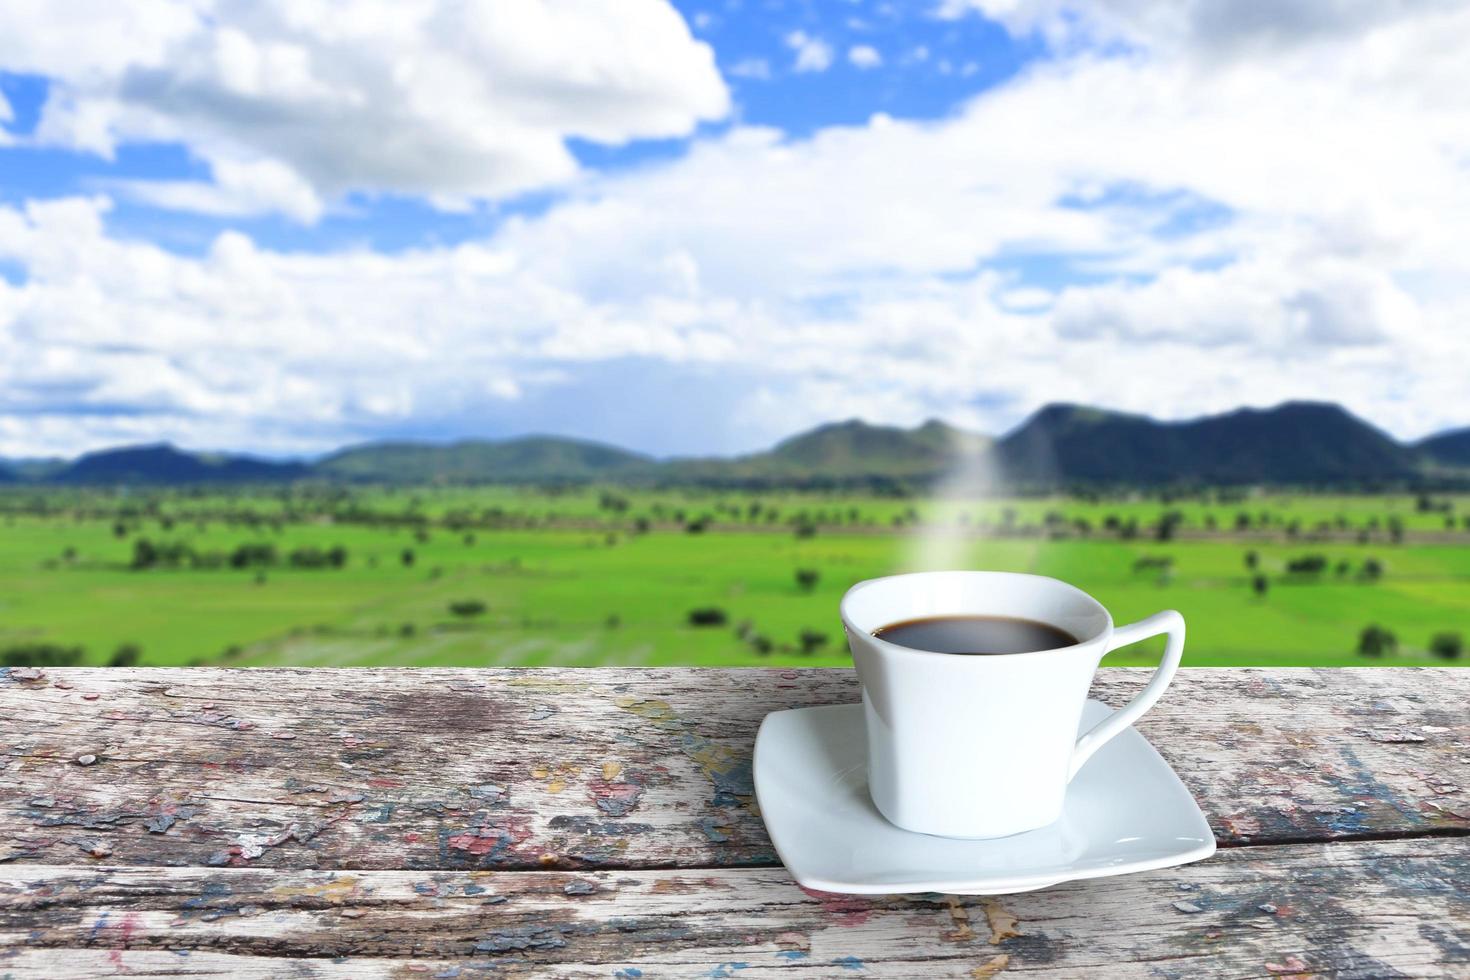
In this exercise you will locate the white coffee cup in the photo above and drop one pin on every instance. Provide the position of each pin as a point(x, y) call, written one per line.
point(984, 746)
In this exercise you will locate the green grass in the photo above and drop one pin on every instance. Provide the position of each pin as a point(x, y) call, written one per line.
point(585, 595)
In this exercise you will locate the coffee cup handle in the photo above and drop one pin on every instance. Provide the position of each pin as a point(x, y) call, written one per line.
point(1169, 622)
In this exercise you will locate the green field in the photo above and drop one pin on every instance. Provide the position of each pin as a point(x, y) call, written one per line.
point(609, 577)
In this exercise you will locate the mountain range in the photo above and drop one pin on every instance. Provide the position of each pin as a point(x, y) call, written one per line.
point(1295, 443)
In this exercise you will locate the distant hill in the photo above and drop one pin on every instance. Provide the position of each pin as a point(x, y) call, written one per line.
point(163, 464)
point(843, 452)
point(1448, 448)
point(1310, 444)
point(33, 468)
point(1293, 443)
point(478, 461)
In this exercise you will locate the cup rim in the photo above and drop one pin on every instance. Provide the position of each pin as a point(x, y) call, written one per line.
point(889, 647)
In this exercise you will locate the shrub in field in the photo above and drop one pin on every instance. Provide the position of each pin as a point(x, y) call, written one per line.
point(811, 641)
point(164, 554)
point(708, 616)
point(1371, 571)
point(806, 529)
point(1307, 565)
point(465, 608)
point(1260, 585)
point(253, 555)
point(407, 557)
point(807, 578)
point(1375, 641)
point(1252, 560)
point(40, 655)
point(1448, 645)
point(313, 557)
point(126, 655)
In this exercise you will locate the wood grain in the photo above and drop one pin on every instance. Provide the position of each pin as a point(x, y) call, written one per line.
point(639, 768)
point(1370, 909)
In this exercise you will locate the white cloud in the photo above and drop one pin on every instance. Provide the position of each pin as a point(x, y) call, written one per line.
point(294, 97)
point(238, 189)
point(864, 56)
point(1208, 28)
point(758, 68)
point(878, 270)
point(812, 53)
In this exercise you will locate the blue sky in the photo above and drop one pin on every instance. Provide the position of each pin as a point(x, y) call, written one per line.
point(928, 66)
point(699, 226)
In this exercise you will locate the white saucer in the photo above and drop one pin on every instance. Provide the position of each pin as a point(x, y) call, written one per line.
point(1126, 811)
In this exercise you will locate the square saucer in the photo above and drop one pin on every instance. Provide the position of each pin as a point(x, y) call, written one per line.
point(1125, 811)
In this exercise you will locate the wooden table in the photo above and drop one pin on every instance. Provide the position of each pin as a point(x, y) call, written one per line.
point(601, 823)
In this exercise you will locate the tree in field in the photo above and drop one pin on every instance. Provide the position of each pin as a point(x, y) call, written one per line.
point(1252, 560)
point(467, 608)
point(1260, 585)
point(1372, 570)
point(144, 554)
point(811, 641)
point(1375, 641)
point(407, 557)
point(126, 655)
point(708, 616)
point(1396, 529)
point(807, 578)
point(1448, 645)
point(40, 655)
point(1307, 565)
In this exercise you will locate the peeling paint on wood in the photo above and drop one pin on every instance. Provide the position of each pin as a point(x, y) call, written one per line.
point(635, 767)
point(459, 823)
point(1361, 909)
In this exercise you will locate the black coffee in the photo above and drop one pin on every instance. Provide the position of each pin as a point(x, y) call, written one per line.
point(976, 635)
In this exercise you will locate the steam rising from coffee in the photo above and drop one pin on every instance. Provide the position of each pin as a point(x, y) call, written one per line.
point(946, 537)
point(951, 536)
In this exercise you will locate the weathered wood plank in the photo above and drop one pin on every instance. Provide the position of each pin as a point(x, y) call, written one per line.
point(461, 769)
point(1370, 909)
